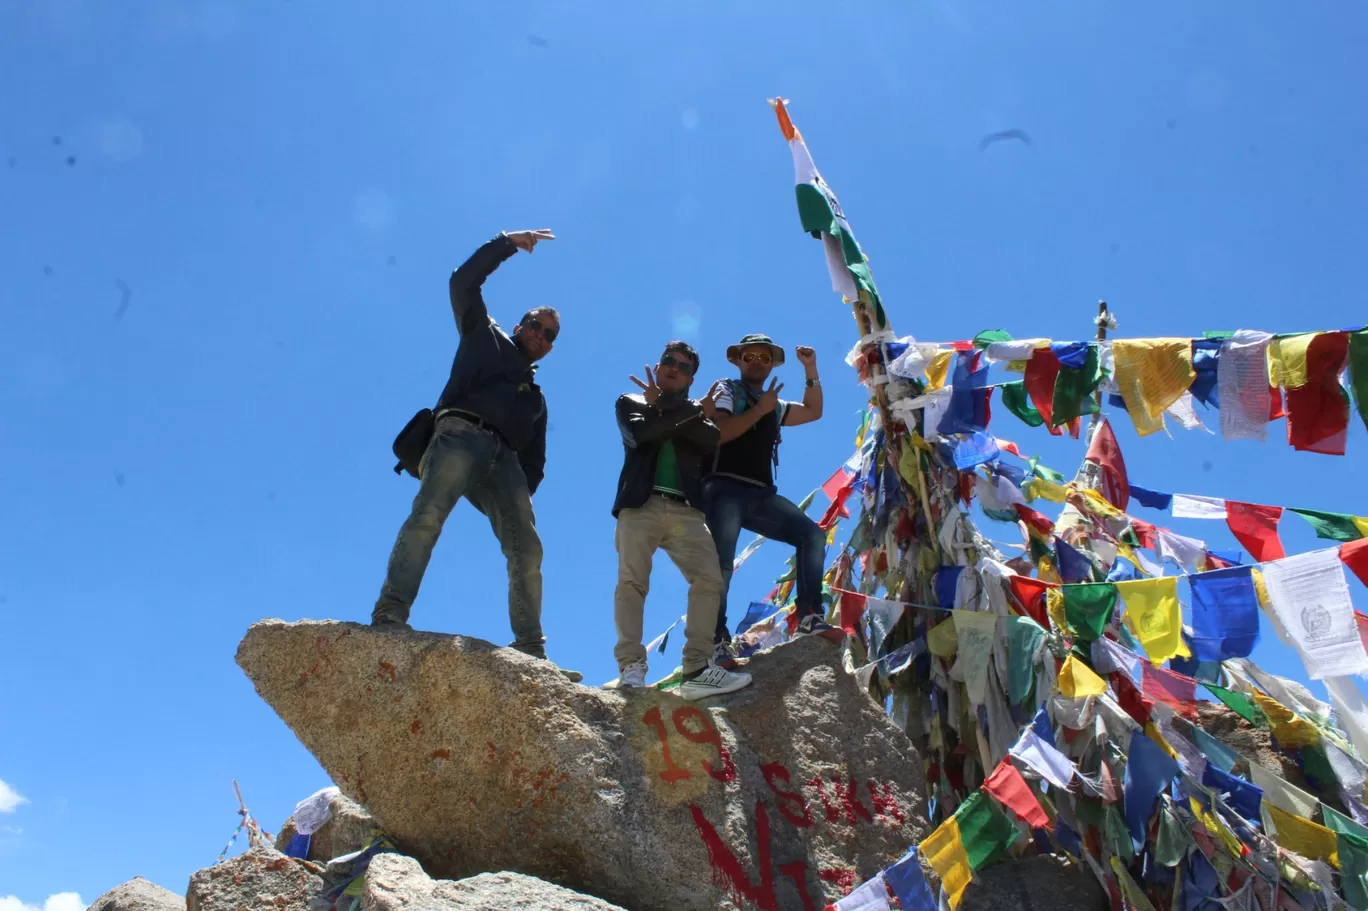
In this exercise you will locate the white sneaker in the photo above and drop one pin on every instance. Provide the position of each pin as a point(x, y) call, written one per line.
point(714, 681)
point(633, 675)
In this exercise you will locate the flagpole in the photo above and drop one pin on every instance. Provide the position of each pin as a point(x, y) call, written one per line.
point(1088, 472)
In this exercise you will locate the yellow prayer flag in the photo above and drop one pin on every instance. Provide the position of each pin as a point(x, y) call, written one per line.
point(1291, 730)
point(1361, 523)
point(942, 639)
point(1304, 837)
point(938, 370)
point(1154, 615)
point(1287, 360)
point(1260, 588)
point(1153, 733)
point(1039, 488)
point(944, 851)
point(1098, 503)
point(1152, 374)
point(1215, 824)
point(1076, 679)
point(1047, 571)
point(1054, 608)
point(1135, 896)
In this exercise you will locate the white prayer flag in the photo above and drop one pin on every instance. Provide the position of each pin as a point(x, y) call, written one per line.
point(1282, 795)
point(1184, 411)
point(1188, 553)
point(1242, 384)
point(872, 896)
point(1189, 507)
point(977, 631)
point(1043, 759)
point(1310, 597)
point(1351, 711)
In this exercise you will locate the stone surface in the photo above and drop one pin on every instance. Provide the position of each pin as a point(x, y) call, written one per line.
point(348, 829)
point(1040, 883)
point(138, 894)
point(259, 879)
point(397, 883)
point(477, 758)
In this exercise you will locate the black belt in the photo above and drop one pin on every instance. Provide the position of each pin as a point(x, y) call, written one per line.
point(472, 418)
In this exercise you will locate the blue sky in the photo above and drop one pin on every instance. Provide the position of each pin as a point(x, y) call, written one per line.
point(284, 187)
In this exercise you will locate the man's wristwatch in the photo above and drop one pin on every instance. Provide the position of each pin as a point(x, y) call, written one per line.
point(813, 381)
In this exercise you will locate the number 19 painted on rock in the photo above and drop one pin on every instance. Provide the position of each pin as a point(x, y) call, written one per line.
point(704, 732)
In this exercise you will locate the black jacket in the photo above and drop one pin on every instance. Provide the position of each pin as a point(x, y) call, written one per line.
point(644, 428)
point(490, 375)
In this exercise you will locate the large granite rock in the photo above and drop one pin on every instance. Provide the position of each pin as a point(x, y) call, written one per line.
point(138, 894)
point(1040, 883)
point(397, 883)
point(258, 880)
point(477, 758)
point(349, 828)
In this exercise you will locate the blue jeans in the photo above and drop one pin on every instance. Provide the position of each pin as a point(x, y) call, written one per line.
point(465, 460)
point(733, 505)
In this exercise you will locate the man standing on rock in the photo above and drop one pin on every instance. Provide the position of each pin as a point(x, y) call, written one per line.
point(488, 445)
point(667, 443)
point(740, 493)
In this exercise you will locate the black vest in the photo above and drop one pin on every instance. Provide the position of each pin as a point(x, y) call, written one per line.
point(754, 454)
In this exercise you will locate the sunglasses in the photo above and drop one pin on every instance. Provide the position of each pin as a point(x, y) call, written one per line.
point(750, 357)
point(681, 364)
point(547, 333)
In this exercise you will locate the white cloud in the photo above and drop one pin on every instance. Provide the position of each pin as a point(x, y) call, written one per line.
point(62, 901)
point(10, 800)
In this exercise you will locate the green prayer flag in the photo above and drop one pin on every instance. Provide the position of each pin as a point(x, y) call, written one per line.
point(1118, 834)
point(1015, 400)
point(1358, 371)
point(1174, 839)
point(1024, 636)
point(1351, 841)
point(1034, 467)
point(985, 830)
point(1336, 526)
point(1088, 608)
point(1074, 388)
point(988, 336)
point(1221, 334)
point(1238, 703)
point(1317, 765)
point(1089, 812)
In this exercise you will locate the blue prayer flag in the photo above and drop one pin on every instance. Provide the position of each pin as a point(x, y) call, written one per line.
point(298, 846)
point(1225, 614)
point(1073, 566)
point(1068, 839)
point(1148, 771)
point(1242, 796)
point(1041, 725)
point(947, 577)
point(1154, 499)
point(757, 611)
point(1215, 751)
point(968, 409)
point(1071, 354)
point(909, 883)
point(1206, 353)
point(975, 450)
point(1123, 570)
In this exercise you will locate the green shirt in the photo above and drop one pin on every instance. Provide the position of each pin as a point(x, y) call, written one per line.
point(667, 478)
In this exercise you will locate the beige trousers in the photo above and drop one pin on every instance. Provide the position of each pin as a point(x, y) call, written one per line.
point(679, 530)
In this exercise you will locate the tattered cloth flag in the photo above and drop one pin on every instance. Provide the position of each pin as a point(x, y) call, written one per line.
point(1310, 600)
point(1040, 756)
point(1105, 453)
point(822, 217)
point(977, 835)
point(1152, 374)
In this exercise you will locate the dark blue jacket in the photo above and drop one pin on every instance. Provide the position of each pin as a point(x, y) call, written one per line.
point(490, 376)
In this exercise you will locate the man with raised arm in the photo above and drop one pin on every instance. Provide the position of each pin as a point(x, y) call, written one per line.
point(740, 493)
point(488, 445)
point(667, 445)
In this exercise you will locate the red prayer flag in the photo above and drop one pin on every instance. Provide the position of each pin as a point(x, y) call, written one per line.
point(1173, 689)
point(1354, 555)
point(1039, 524)
point(1318, 412)
point(1030, 597)
point(852, 610)
point(1011, 790)
point(1145, 533)
point(1362, 622)
point(1041, 372)
point(1129, 697)
point(1215, 562)
point(1256, 528)
point(1105, 453)
point(833, 485)
point(837, 509)
point(1009, 446)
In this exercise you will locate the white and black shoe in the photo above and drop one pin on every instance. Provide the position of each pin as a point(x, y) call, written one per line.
point(812, 623)
point(713, 681)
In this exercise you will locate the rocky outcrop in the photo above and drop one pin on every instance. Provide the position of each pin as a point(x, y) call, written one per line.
point(259, 879)
point(349, 828)
point(138, 894)
point(1040, 883)
point(398, 883)
point(475, 758)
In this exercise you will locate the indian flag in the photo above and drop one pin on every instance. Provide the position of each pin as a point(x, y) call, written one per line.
point(977, 835)
point(821, 216)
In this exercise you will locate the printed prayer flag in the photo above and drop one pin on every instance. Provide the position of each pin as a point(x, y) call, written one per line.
point(1186, 506)
point(1289, 729)
point(1242, 381)
point(947, 579)
point(1152, 374)
point(1154, 615)
point(1088, 609)
point(1310, 599)
point(1014, 400)
point(1079, 374)
point(976, 633)
point(1073, 566)
point(852, 609)
point(1177, 691)
point(1149, 769)
point(1105, 453)
point(870, 896)
point(909, 883)
point(1238, 703)
point(821, 216)
point(941, 639)
point(1024, 637)
point(1279, 793)
point(1011, 790)
point(1302, 836)
point(1352, 846)
point(1225, 613)
point(1351, 710)
point(1334, 525)
point(1040, 756)
point(1217, 753)
point(1256, 528)
point(1076, 680)
point(1242, 796)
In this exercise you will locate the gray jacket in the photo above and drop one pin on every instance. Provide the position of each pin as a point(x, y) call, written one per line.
point(491, 376)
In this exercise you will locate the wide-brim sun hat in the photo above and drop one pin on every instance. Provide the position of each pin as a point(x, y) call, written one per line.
point(776, 353)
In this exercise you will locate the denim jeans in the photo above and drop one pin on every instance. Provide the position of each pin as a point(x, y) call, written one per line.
point(733, 505)
point(465, 460)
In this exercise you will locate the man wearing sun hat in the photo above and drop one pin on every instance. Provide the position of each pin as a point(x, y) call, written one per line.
point(740, 493)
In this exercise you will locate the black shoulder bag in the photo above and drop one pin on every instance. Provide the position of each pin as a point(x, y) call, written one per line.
point(412, 442)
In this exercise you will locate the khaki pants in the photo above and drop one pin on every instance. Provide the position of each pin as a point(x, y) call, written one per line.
point(679, 530)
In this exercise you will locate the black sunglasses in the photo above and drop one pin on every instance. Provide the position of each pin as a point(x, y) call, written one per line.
point(687, 366)
point(535, 325)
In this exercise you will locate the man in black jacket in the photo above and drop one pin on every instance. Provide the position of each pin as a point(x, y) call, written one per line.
point(667, 443)
point(488, 445)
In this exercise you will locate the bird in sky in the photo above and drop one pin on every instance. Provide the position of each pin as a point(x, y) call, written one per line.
point(1003, 136)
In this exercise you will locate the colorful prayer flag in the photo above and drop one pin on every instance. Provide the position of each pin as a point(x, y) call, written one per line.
point(1088, 609)
point(1149, 768)
point(1256, 528)
point(1177, 691)
point(1011, 790)
point(1225, 613)
point(1076, 680)
point(1152, 374)
point(1310, 599)
point(1335, 526)
point(1105, 452)
point(1154, 615)
point(977, 835)
point(1318, 409)
point(1355, 556)
point(909, 883)
point(1040, 756)
point(870, 896)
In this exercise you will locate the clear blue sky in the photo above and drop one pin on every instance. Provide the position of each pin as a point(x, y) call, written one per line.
point(285, 187)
